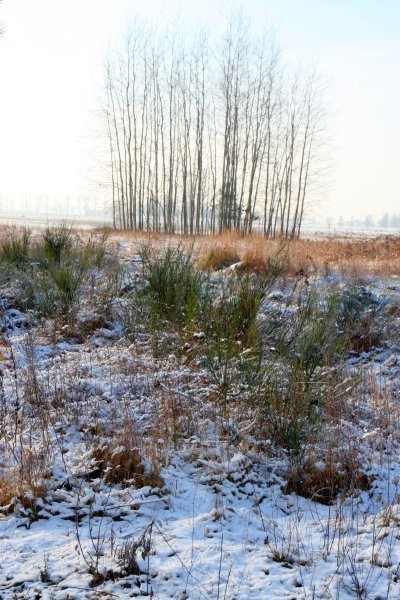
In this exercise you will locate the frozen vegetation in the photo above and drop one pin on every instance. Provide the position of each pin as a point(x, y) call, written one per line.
point(187, 424)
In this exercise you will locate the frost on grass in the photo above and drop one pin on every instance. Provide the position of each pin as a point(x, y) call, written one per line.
point(205, 450)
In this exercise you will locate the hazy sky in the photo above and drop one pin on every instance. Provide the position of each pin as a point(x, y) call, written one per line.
point(51, 59)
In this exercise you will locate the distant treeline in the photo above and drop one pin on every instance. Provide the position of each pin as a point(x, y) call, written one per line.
point(386, 221)
point(208, 135)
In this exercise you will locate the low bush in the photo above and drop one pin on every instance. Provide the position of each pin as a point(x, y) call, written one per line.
point(285, 371)
point(234, 347)
point(234, 373)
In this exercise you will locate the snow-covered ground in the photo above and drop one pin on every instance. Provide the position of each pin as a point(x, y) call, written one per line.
point(207, 515)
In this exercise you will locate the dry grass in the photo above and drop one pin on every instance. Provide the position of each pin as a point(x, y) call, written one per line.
point(121, 460)
point(218, 257)
point(15, 491)
point(346, 255)
point(322, 481)
point(9, 489)
point(380, 255)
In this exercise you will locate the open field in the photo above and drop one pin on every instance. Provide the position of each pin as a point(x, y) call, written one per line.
point(211, 418)
point(347, 255)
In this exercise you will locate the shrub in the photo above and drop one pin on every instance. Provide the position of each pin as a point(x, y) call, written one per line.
point(302, 371)
point(233, 316)
point(234, 373)
point(67, 280)
point(284, 370)
point(55, 289)
point(233, 313)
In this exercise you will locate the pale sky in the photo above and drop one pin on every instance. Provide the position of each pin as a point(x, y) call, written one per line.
point(51, 58)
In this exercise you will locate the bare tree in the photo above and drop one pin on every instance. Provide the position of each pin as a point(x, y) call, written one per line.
point(209, 141)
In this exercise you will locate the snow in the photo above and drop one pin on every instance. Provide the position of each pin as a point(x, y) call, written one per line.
point(221, 526)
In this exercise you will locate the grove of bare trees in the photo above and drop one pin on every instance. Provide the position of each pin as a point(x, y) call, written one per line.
point(208, 135)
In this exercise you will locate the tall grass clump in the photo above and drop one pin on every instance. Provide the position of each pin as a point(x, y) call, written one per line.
point(292, 406)
point(304, 373)
point(64, 263)
point(236, 304)
point(234, 344)
point(313, 338)
point(56, 243)
point(175, 292)
point(285, 367)
point(15, 249)
point(233, 315)
point(312, 342)
point(47, 274)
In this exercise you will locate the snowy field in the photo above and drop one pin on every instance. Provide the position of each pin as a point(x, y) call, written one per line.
point(130, 469)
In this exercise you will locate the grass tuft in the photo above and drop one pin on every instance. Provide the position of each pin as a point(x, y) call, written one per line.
point(175, 291)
